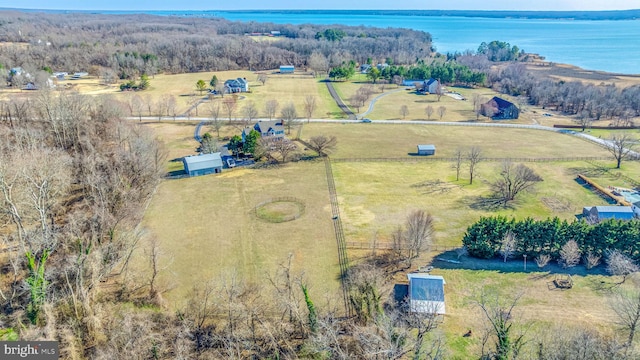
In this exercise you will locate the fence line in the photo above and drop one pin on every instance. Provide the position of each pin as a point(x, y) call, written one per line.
point(339, 233)
point(618, 174)
point(446, 159)
point(360, 245)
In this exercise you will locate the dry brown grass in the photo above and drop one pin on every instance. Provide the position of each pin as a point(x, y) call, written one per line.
point(573, 73)
point(208, 227)
point(362, 140)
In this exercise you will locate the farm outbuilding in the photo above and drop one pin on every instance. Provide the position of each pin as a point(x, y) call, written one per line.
point(599, 213)
point(287, 69)
point(426, 293)
point(426, 149)
point(500, 109)
point(202, 164)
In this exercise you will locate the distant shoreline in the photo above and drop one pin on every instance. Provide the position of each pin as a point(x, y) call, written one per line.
point(537, 15)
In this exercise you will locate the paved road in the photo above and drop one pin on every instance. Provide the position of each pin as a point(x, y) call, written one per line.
point(602, 142)
point(339, 101)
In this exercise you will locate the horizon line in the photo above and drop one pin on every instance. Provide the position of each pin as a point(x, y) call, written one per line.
point(288, 9)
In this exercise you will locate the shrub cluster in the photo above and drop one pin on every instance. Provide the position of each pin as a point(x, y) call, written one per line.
point(546, 237)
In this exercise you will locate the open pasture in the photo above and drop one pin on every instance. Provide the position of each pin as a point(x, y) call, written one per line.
point(376, 197)
point(373, 140)
point(209, 228)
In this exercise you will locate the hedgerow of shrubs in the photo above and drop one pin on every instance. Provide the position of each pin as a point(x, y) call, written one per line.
point(539, 237)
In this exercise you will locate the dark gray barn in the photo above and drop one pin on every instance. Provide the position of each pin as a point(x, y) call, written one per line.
point(500, 109)
point(202, 164)
point(426, 149)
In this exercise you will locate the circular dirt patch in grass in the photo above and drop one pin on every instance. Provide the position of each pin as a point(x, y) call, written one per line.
point(280, 210)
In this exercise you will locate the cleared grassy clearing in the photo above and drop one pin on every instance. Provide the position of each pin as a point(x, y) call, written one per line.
point(377, 197)
point(388, 140)
point(539, 309)
point(208, 226)
point(288, 88)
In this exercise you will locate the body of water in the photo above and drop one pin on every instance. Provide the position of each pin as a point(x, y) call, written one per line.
point(608, 45)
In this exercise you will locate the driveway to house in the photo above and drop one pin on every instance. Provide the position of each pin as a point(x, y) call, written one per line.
point(373, 102)
point(339, 101)
point(599, 141)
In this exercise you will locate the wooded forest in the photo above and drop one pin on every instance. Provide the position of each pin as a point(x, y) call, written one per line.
point(130, 45)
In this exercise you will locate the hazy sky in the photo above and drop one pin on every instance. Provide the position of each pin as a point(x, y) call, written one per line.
point(324, 4)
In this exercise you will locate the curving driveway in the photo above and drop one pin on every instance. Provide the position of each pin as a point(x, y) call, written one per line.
point(339, 101)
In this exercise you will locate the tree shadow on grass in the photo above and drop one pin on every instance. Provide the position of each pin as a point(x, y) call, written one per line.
point(487, 203)
point(451, 260)
point(596, 278)
point(436, 187)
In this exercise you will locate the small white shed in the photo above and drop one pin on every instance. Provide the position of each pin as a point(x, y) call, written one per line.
point(426, 149)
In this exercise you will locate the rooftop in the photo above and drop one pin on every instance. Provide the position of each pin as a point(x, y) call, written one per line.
point(426, 147)
point(614, 209)
point(426, 287)
point(205, 161)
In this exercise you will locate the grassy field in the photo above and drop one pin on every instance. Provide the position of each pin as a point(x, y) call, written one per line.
point(208, 226)
point(539, 309)
point(376, 197)
point(398, 140)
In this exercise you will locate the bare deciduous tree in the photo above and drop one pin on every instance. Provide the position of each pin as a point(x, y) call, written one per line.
point(620, 265)
point(365, 292)
point(620, 146)
point(263, 78)
point(457, 164)
point(591, 260)
point(230, 104)
point(514, 179)
point(542, 260)
point(626, 305)
point(323, 145)
point(441, 111)
point(318, 62)
point(309, 106)
point(499, 313)
point(216, 123)
point(137, 106)
point(289, 115)
point(429, 111)
point(508, 245)
point(282, 147)
point(569, 254)
point(474, 157)
point(404, 111)
point(250, 112)
point(271, 108)
point(418, 233)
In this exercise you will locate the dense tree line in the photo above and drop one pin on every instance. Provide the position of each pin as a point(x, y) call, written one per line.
point(588, 102)
point(131, 45)
point(74, 179)
point(448, 72)
point(485, 238)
